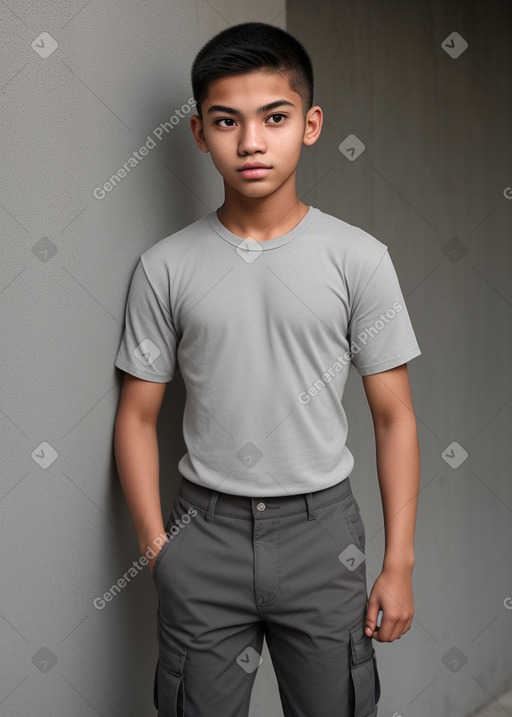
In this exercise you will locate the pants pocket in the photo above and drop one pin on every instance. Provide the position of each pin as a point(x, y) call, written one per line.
point(159, 557)
point(352, 516)
point(364, 674)
point(175, 516)
point(169, 690)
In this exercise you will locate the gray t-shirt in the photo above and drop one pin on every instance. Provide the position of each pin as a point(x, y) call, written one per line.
point(264, 334)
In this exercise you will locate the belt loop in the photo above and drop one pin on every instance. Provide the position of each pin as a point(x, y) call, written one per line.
point(311, 507)
point(210, 516)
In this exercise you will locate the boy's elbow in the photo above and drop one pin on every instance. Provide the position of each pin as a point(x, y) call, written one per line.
point(405, 420)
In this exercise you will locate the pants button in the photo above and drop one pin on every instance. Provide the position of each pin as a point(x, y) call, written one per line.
point(261, 506)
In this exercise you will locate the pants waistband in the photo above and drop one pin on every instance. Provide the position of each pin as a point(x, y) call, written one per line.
point(214, 502)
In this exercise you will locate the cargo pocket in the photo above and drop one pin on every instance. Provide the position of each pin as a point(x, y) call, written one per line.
point(169, 691)
point(364, 673)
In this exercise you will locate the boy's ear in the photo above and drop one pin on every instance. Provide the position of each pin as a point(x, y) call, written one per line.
point(313, 125)
point(196, 126)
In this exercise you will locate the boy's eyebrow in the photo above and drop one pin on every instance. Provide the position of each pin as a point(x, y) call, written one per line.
point(264, 108)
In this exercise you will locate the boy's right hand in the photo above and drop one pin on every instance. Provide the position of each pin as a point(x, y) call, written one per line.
point(151, 562)
point(154, 544)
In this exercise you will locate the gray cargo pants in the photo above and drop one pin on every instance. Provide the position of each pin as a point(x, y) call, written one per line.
point(289, 568)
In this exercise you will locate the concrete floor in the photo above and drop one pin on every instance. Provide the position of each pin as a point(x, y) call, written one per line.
point(500, 708)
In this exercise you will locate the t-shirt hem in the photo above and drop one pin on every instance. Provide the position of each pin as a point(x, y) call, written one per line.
point(140, 373)
point(389, 363)
point(238, 481)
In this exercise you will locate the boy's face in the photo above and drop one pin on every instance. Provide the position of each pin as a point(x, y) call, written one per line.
point(237, 131)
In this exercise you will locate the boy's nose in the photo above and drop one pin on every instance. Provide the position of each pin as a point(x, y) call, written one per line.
point(251, 140)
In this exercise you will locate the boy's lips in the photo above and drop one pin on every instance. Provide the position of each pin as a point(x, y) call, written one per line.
point(255, 170)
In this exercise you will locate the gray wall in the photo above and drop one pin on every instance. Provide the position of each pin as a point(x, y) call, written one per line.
point(430, 184)
point(436, 164)
point(69, 121)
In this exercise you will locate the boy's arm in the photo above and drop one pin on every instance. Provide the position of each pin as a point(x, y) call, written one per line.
point(396, 439)
point(137, 459)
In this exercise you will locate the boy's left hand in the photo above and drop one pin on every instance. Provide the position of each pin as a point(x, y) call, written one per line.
point(392, 593)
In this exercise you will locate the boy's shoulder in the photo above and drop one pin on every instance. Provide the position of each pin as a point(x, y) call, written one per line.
point(354, 239)
point(353, 245)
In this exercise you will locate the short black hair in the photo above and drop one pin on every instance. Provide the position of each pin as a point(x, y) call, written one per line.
point(252, 46)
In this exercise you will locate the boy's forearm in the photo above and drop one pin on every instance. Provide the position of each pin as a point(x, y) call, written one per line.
point(398, 466)
point(136, 452)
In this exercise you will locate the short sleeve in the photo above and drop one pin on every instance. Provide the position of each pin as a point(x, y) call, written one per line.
point(149, 342)
point(380, 330)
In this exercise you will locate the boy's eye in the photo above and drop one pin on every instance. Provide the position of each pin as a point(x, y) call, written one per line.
point(224, 119)
point(279, 117)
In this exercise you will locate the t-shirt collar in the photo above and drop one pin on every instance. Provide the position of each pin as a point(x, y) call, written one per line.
point(237, 241)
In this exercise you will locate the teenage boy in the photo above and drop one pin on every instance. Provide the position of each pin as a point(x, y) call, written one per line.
point(265, 304)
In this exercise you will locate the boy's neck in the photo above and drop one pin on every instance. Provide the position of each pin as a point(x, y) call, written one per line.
point(262, 218)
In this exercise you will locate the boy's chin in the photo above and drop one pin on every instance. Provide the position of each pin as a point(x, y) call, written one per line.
point(254, 191)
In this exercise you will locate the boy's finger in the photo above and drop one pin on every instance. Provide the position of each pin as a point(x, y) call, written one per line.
point(373, 620)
